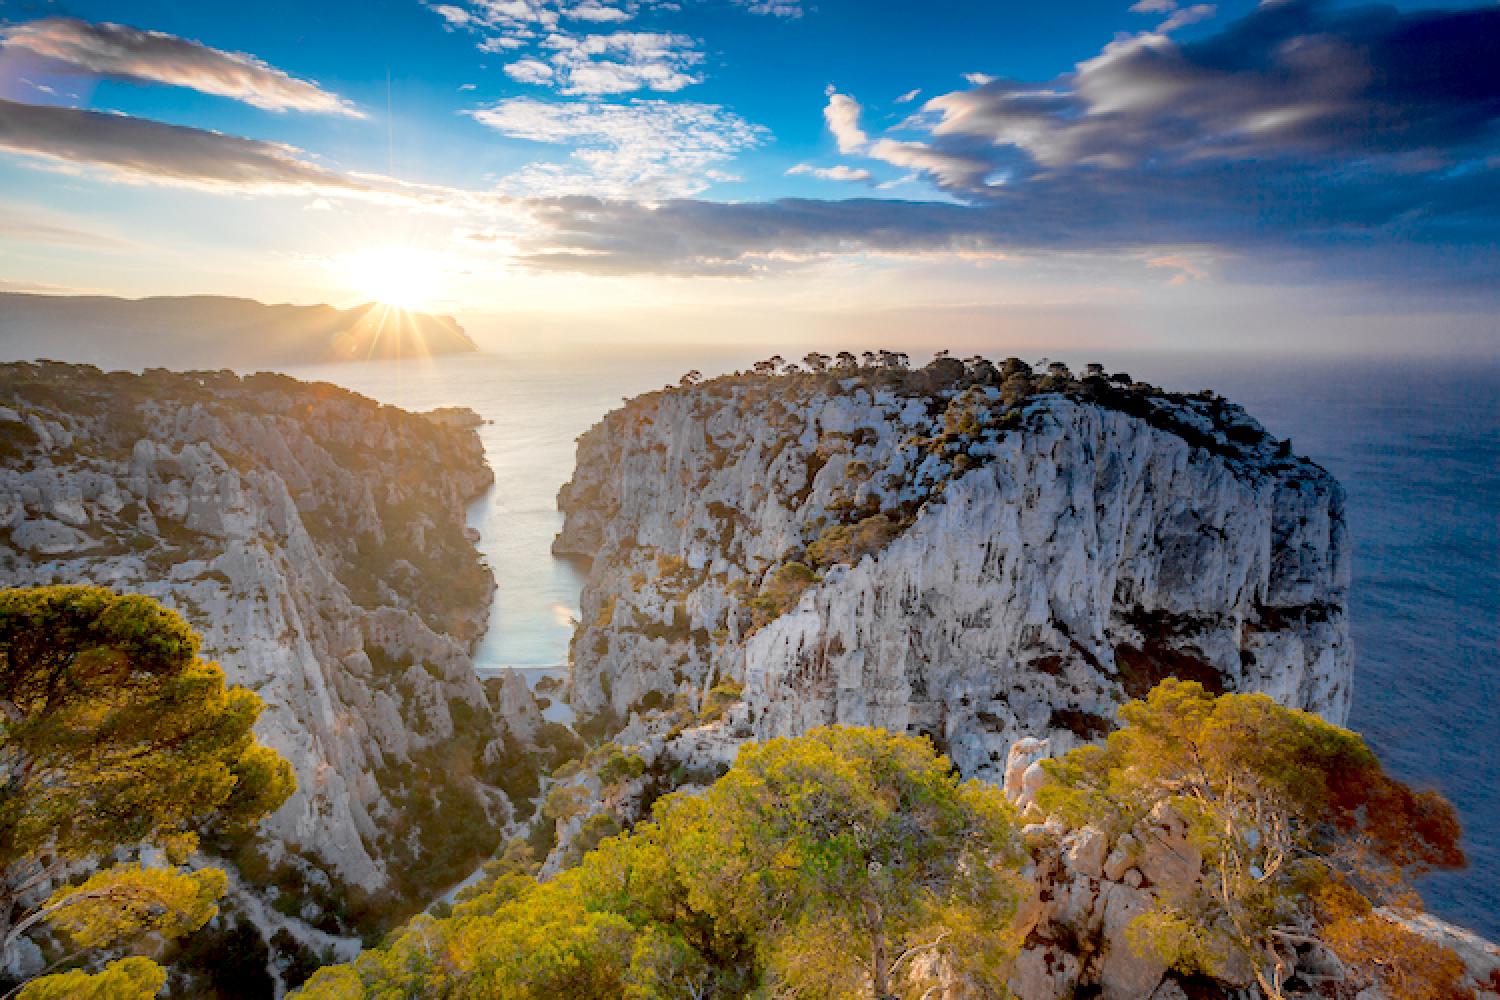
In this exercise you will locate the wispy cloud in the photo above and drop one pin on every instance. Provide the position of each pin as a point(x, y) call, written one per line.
point(1185, 16)
point(576, 46)
point(839, 172)
point(773, 8)
point(622, 62)
point(124, 53)
point(644, 148)
point(951, 168)
point(24, 224)
point(513, 24)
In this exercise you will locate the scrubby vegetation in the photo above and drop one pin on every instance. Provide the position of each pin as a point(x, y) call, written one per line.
point(969, 389)
point(1302, 834)
point(852, 863)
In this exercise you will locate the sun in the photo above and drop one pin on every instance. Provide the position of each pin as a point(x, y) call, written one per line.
point(402, 277)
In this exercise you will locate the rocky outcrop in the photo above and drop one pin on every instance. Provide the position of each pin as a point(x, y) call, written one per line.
point(1088, 885)
point(317, 542)
point(949, 559)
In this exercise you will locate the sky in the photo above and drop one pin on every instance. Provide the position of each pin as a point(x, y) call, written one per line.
point(1295, 174)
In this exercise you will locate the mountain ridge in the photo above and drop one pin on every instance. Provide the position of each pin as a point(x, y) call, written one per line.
point(213, 331)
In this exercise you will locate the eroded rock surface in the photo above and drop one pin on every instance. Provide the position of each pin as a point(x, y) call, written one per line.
point(316, 540)
point(948, 561)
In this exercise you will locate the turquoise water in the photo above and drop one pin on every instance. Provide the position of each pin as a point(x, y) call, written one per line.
point(534, 411)
point(1416, 444)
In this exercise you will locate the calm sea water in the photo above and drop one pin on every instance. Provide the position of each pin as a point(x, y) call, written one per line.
point(1416, 444)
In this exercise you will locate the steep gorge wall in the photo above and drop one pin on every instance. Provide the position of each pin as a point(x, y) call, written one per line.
point(317, 541)
point(1018, 568)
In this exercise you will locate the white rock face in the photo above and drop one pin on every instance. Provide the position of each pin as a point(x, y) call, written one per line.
point(1051, 561)
point(315, 540)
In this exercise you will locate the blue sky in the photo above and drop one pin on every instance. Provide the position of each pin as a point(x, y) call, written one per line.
point(1083, 168)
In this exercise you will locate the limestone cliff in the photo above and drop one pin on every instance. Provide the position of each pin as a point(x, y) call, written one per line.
point(929, 551)
point(317, 541)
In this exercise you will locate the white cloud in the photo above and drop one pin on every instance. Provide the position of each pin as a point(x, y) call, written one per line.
point(529, 71)
point(842, 115)
point(597, 12)
point(622, 62)
point(643, 148)
point(774, 8)
point(1153, 6)
point(584, 61)
point(501, 43)
point(456, 16)
point(909, 96)
point(979, 79)
point(1185, 16)
point(835, 173)
point(510, 24)
point(124, 53)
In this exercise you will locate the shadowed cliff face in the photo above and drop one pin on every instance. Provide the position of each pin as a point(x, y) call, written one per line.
point(948, 561)
point(317, 541)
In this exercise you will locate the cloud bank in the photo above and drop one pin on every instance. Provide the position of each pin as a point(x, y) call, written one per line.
point(143, 151)
point(123, 53)
point(1332, 139)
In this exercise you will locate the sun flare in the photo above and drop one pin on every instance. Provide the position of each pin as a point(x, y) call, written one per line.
point(402, 277)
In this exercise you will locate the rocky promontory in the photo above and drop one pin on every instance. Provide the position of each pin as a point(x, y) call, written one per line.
point(972, 551)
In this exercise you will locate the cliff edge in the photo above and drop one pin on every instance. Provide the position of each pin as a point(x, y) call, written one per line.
point(972, 552)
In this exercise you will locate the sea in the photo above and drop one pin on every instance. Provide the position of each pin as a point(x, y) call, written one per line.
point(1416, 443)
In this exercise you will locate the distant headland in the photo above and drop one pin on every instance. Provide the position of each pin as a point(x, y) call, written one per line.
point(210, 331)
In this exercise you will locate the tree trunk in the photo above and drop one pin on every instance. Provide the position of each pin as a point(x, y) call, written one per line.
point(880, 970)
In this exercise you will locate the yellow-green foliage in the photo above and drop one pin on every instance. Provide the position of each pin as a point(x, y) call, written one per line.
point(621, 766)
point(606, 611)
point(563, 802)
point(781, 590)
point(1281, 804)
point(849, 543)
point(122, 902)
point(126, 979)
point(720, 697)
point(116, 735)
point(1185, 944)
point(812, 858)
point(964, 417)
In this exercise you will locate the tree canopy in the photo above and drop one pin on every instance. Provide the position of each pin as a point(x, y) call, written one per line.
point(114, 733)
point(825, 866)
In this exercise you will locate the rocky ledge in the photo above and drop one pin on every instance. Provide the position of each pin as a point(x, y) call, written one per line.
point(317, 541)
point(974, 552)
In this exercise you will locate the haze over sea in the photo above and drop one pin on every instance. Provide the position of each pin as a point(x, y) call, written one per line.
point(1416, 444)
